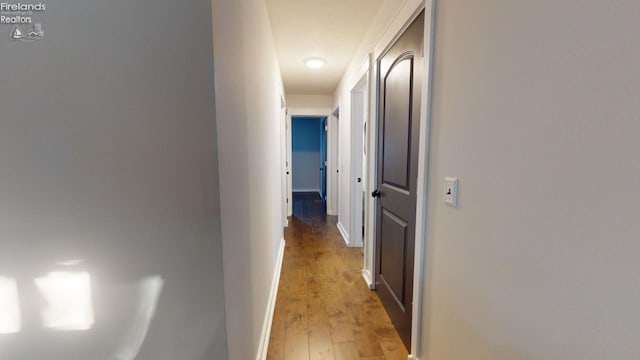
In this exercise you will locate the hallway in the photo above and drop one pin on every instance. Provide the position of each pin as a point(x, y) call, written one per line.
point(324, 310)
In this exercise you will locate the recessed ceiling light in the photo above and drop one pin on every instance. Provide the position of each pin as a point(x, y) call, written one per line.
point(315, 63)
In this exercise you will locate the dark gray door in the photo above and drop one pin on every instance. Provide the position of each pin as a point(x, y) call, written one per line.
point(399, 97)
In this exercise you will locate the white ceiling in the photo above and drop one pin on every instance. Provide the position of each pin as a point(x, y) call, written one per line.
point(330, 29)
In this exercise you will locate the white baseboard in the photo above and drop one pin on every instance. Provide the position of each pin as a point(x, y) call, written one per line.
point(412, 357)
point(316, 190)
point(345, 236)
point(344, 233)
point(271, 306)
point(366, 274)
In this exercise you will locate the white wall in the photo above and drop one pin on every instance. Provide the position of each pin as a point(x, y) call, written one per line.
point(309, 101)
point(108, 157)
point(248, 89)
point(535, 109)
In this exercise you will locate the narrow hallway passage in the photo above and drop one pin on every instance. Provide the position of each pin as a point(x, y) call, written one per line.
point(324, 310)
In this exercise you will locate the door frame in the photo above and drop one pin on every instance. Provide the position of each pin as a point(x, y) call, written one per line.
point(333, 159)
point(284, 161)
point(361, 88)
point(400, 22)
point(324, 162)
point(315, 112)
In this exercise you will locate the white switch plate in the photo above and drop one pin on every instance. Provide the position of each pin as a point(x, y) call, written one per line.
point(451, 191)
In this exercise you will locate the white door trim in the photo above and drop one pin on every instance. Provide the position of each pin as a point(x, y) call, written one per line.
point(409, 10)
point(284, 162)
point(288, 173)
point(333, 164)
point(359, 114)
point(319, 112)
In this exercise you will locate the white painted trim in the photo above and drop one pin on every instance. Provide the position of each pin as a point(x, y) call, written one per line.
point(413, 357)
point(289, 167)
point(358, 116)
point(399, 23)
point(283, 163)
point(333, 153)
point(271, 306)
point(366, 275)
point(307, 190)
point(343, 232)
point(423, 168)
point(372, 176)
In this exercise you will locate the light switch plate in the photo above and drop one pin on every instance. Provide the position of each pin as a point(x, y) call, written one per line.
point(451, 191)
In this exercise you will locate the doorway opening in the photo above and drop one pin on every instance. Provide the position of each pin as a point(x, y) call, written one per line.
point(309, 158)
point(359, 114)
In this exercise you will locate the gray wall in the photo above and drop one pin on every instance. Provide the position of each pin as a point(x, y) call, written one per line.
point(108, 154)
point(535, 109)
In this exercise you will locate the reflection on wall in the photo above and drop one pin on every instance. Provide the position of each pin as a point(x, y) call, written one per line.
point(148, 294)
point(64, 302)
point(68, 300)
point(9, 306)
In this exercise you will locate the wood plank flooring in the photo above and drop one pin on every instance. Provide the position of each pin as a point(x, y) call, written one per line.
point(324, 309)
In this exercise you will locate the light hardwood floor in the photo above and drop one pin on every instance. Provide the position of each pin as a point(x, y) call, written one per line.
point(324, 309)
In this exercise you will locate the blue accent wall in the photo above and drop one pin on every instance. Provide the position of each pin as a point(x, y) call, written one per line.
point(305, 153)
